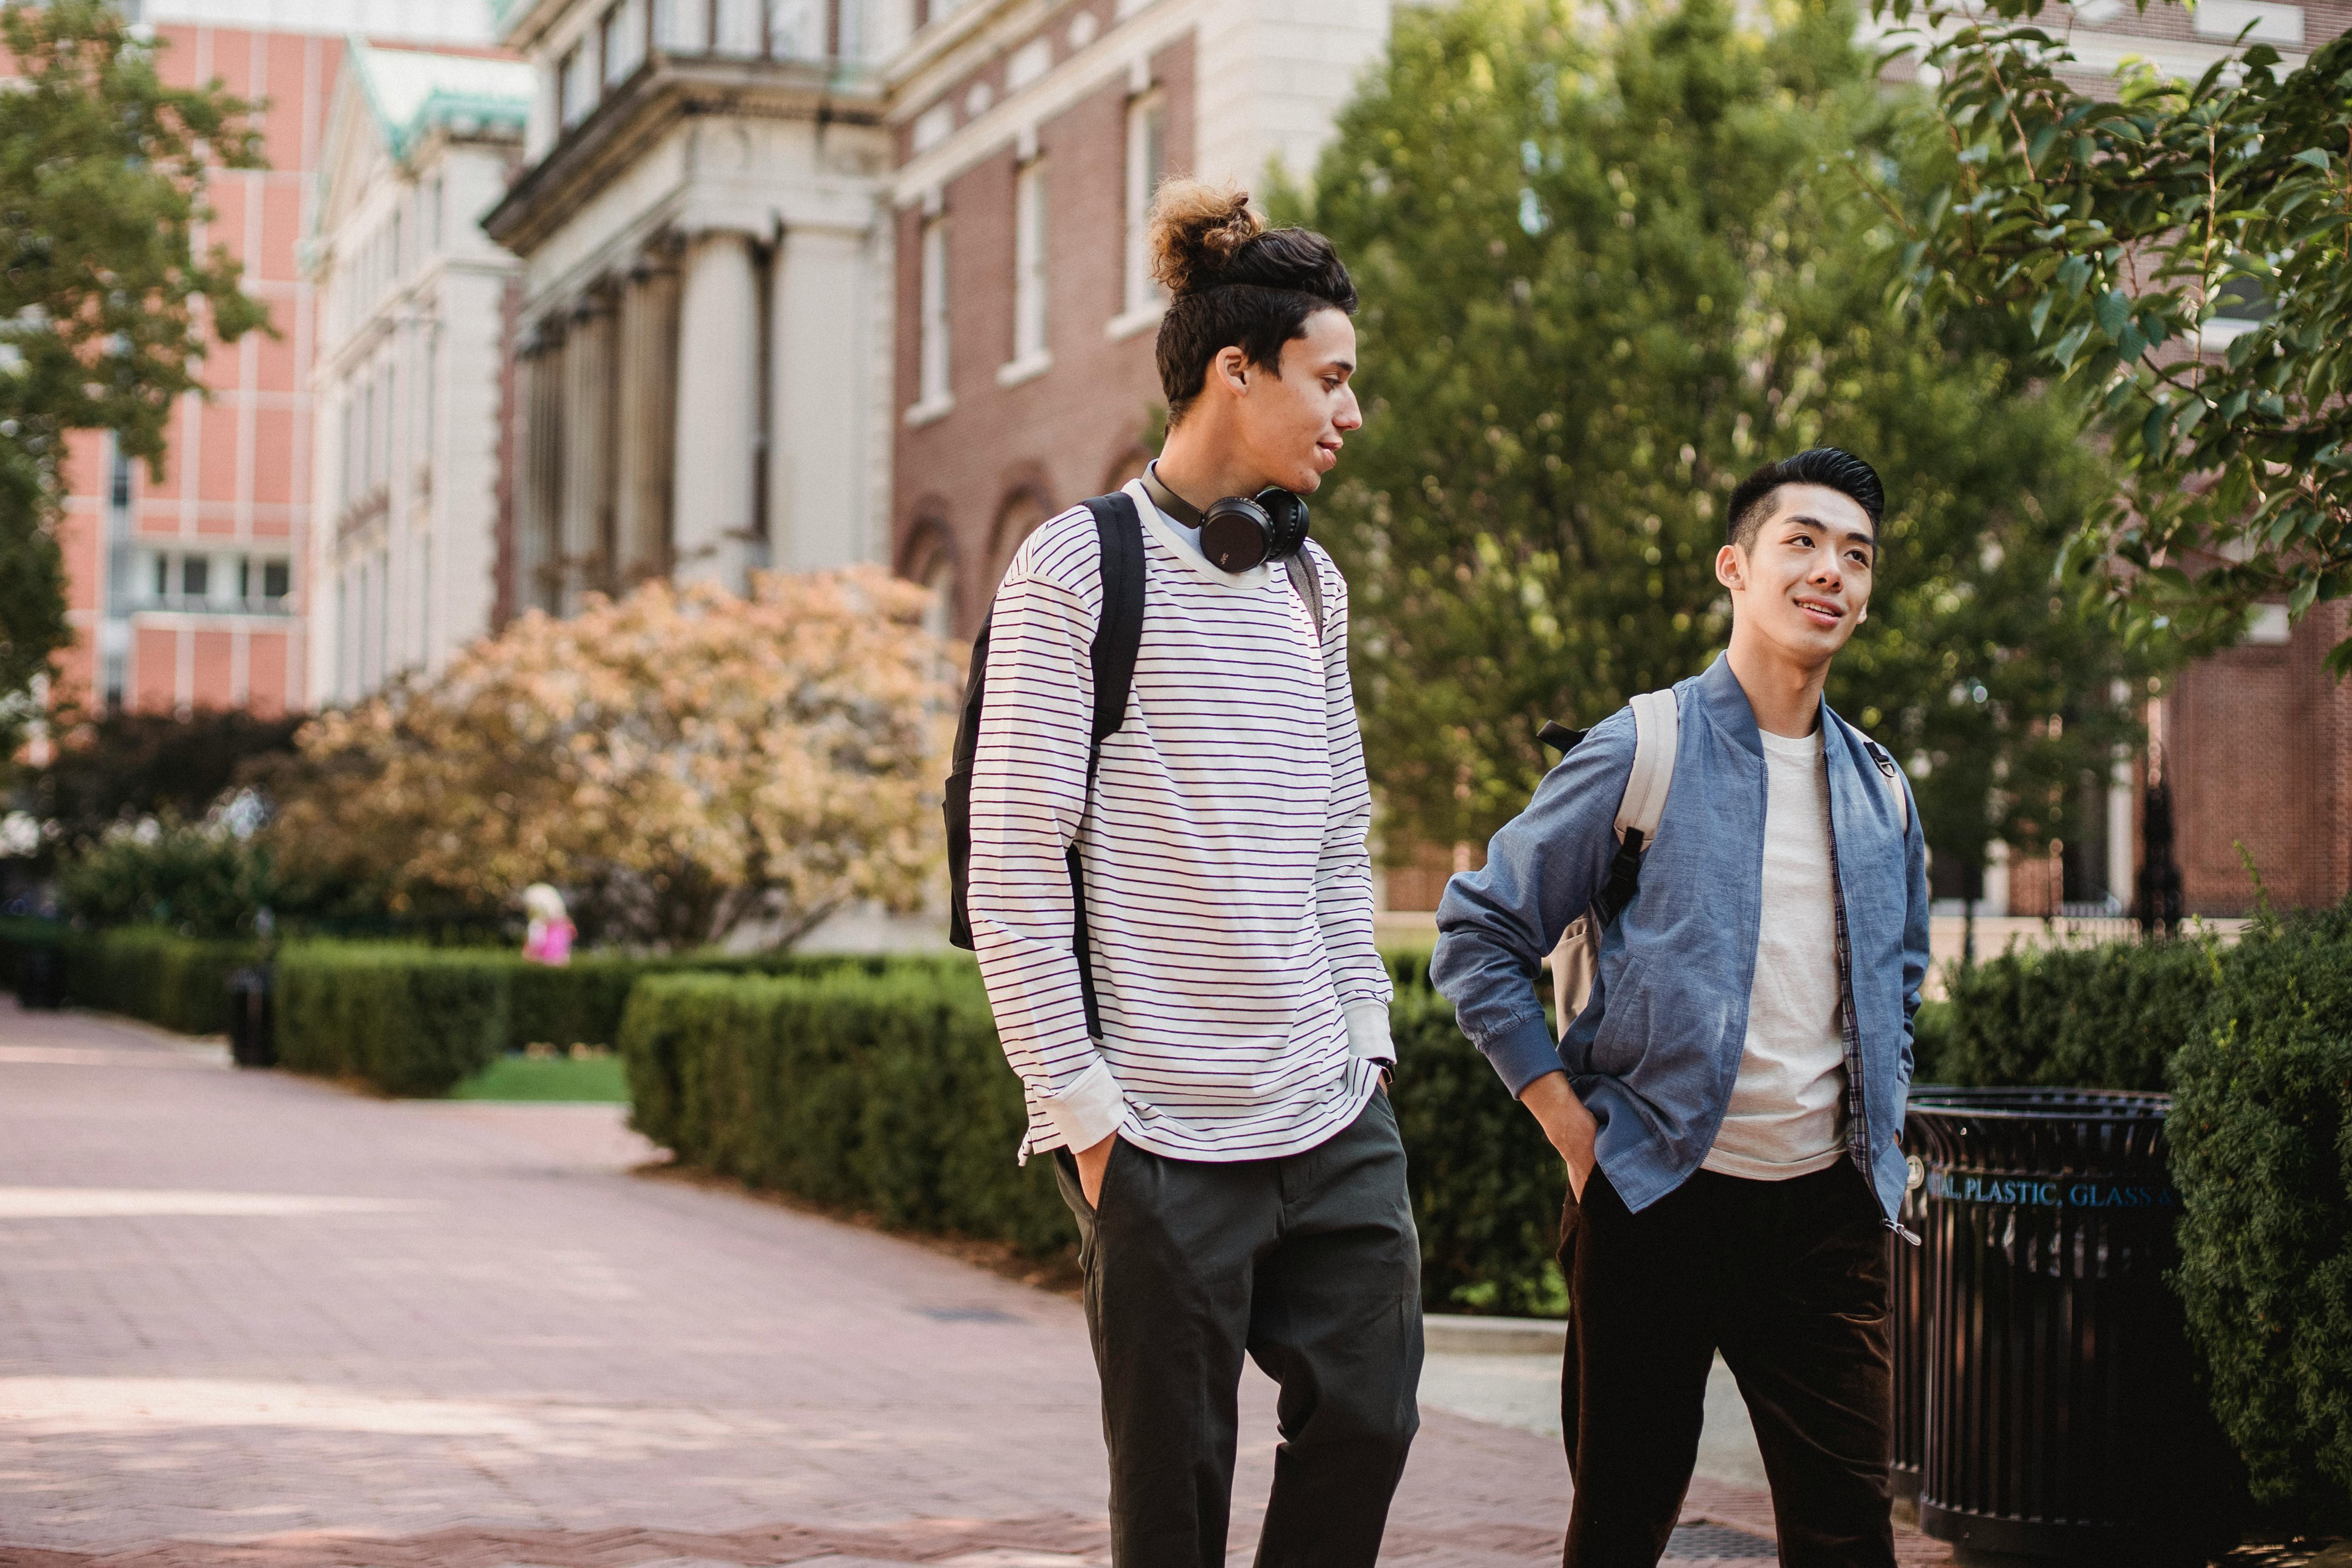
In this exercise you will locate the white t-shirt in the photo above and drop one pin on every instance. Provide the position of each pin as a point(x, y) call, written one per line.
point(1788, 1105)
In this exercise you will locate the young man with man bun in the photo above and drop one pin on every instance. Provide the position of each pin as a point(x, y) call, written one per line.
point(1209, 1084)
point(1727, 1101)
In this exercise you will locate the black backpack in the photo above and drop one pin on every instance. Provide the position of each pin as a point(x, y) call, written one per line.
point(1119, 636)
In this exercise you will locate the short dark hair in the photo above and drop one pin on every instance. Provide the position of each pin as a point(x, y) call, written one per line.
point(1233, 282)
point(1829, 466)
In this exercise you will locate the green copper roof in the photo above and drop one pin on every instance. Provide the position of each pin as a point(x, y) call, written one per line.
point(413, 91)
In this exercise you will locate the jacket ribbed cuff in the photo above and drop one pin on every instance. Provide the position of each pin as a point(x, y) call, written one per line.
point(1523, 1054)
point(1089, 1111)
point(1368, 1031)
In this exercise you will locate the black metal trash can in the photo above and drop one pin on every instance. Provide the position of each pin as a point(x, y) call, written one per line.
point(2062, 1416)
point(1908, 1302)
point(252, 1039)
point(41, 978)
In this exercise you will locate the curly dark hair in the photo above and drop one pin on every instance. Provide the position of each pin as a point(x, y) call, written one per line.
point(1830, 466)
point(1233, 282)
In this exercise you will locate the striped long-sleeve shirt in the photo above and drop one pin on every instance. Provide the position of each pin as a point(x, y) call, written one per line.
point(1244, 1006)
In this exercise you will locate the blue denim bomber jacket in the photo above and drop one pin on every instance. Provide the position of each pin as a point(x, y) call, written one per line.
point(1655, 1050)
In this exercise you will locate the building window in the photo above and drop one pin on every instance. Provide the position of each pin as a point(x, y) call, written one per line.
point(1146, 162)
point(576, 86)
point(277, 581)
point(424, 442)
point(367, 438)
point(386, 406)
point(795, 31)
point(618, 37)
point(1029, 244)
point(934, 314)
point(118, 478)
point(196, 577)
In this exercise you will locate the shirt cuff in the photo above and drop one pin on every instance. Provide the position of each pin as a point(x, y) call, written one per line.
point(1523, 1054)
point(1368, 1031)
point(1089, 1111)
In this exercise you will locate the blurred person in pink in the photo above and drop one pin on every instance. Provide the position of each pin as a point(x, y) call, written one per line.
point(549, 939)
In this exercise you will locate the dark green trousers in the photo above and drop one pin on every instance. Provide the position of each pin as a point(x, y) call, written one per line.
point(1308, 1264)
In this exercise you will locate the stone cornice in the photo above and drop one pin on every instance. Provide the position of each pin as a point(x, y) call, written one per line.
point(661, 92)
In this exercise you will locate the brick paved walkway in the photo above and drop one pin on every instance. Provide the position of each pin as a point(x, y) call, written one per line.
point(252, 1322)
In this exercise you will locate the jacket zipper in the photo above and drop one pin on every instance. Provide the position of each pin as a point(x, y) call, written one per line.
point(1852, 1022)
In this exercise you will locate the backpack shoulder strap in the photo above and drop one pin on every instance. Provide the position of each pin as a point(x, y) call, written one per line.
point(1307, 583)
point(1890, 773)
point(1119, 634)
point(1657, 728)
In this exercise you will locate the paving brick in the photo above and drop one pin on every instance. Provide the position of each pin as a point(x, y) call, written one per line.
point(464, 1337)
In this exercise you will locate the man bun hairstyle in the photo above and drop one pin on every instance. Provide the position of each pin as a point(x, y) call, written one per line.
point(1232, 282)
point(1830, 467)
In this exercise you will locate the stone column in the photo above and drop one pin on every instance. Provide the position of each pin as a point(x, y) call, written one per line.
point(718, 403)
point(587, 510)
point(647, 419)
point(539, 475)
point(818, 484)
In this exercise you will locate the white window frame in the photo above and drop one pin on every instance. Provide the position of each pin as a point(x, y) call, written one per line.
point(1147, 165)
point(1031, 234)
point(934, 367)
point(620, 42)
point(575, 85)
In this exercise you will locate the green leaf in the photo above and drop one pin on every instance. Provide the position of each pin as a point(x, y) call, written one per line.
point(2070, 345)
point(2113, 309)
point(2041, 313)
point(2315, 156)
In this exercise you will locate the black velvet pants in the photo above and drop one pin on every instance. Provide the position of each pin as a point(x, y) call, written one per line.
point(1788, 1280)
point(1310, 1265)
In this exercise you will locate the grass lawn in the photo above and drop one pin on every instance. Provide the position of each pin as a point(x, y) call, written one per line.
point(553, 1078)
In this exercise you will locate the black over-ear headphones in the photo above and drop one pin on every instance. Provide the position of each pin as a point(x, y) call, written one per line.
point(1240, 531)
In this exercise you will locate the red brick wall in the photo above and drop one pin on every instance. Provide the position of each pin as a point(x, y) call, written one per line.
point(1014, 455)
point(238, 472)
point(2259, 742)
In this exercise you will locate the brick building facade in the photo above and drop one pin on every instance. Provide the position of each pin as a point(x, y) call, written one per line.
point(188, 590)
point(1028, 139)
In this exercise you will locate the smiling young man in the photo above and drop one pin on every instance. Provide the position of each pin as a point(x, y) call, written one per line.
point(1729, 1101)
point(1202, 1055)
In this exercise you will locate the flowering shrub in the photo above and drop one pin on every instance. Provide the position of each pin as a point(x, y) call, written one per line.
point(682, 762)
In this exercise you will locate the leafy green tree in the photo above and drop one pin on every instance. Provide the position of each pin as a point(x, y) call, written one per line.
point(106, 310)
point(113, 768)
point(200, 879)
point(1606, 273)
point(2182, 253)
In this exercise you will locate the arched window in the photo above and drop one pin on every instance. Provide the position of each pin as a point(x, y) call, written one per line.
point(1129, 464)
point(1016, 521)
point(930, 559)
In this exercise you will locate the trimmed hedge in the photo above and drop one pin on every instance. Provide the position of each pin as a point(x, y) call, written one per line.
point(160, 977)
point(2262, 1150)
point(831, 1088)
point(2110, 1017)
point(408, 1020)
point(177, 982)
point(581, 1003)
point(886, 1093)
point(1487, 1191)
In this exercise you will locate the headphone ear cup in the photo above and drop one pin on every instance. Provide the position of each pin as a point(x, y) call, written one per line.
point(1234, 534)
point(1285, 515)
